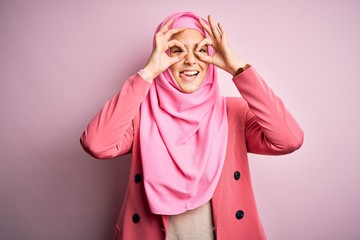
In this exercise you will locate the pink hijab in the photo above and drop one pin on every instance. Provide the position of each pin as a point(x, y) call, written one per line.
point(183, 137)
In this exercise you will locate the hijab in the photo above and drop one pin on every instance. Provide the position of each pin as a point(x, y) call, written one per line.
point(183, 137)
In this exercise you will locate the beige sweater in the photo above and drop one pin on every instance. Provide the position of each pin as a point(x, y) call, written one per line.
point(196, 224)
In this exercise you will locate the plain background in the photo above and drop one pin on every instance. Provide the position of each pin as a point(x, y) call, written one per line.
point(60, 61)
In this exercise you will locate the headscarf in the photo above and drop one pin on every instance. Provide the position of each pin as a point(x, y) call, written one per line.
point(183, 137)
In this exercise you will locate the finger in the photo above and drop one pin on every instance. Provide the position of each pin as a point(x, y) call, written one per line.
point(166, 26)
point(223, 31)
point(214, 29)
point(205, 41)
point(177, 58)
point(204, 58)
point(176, 43)
point(206, 27)
point(173, 31)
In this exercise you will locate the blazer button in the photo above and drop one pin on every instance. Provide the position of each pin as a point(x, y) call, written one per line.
point(136, 218)
point(237, 175)
point(137, 178)
point(239, 214)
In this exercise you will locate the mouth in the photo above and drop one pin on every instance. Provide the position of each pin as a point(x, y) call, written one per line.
point(189, 75)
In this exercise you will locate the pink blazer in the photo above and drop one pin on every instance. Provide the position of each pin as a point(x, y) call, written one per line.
point(258, 123)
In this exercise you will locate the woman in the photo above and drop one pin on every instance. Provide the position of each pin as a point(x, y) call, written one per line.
point(189, 176)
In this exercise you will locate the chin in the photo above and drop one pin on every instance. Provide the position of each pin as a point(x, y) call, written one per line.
point(189, 84)
point(189, 88)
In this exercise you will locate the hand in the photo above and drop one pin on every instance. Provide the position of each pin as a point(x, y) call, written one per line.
point(159, 60)
point(224, 57)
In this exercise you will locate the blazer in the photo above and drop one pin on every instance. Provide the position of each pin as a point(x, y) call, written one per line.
point(258, 123)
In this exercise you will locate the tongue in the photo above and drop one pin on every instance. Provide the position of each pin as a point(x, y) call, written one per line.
point(187, 77)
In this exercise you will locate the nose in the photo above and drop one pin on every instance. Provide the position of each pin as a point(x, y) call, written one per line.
point(190, 58)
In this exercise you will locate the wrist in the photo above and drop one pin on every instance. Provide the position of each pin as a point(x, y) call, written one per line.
point(241, 69)
point(146, 74)
point(235, 67)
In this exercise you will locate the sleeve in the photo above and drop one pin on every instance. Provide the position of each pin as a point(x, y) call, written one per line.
point(269, 128)
point(110, 132)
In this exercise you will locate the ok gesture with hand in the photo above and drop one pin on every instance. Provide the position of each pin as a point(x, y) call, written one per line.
point(159, 60)
point(224, 57)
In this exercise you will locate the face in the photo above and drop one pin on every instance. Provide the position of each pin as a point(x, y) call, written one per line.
point(190, 72)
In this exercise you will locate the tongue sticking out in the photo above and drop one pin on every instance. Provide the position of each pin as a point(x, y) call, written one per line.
point(189, 76)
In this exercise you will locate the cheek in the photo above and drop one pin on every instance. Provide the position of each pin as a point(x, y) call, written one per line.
point(174, 67)
point(204, 66)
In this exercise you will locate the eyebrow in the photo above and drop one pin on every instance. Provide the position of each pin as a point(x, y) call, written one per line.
point(196, 45)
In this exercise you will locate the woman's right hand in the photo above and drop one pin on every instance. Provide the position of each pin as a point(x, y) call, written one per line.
point(159, 60)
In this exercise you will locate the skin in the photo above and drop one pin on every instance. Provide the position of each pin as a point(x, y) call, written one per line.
point(190, 45)
point(190, 38)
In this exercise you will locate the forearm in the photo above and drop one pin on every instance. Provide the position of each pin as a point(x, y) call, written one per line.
point(270, 126)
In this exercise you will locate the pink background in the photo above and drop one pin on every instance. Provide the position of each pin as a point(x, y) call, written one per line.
point(61, 60)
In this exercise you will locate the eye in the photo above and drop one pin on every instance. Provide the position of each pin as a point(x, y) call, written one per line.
point(176, 50)
point(203, 50)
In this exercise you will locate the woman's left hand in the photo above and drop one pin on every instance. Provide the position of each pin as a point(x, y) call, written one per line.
point(224, 57)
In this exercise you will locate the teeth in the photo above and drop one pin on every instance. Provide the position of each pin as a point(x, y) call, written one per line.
point(190, 73)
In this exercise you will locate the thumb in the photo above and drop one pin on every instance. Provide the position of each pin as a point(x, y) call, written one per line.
point(204, 58)
point(177, 58)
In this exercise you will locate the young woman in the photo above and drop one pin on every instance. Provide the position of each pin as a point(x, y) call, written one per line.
point(189, 175)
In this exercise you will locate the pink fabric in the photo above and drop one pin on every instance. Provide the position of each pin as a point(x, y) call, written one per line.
point(258, 123)
point(183, 138)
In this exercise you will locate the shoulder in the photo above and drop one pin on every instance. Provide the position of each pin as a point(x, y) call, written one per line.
point(237, 108)
point(236, 104)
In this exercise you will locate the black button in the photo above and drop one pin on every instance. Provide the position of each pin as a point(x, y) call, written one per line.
point(137, 178)
point(136, 218)
point(239, 214)
point(237, 175)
